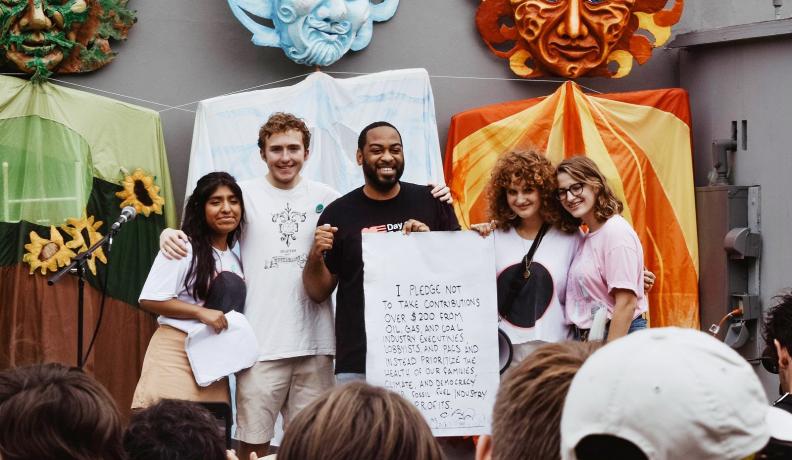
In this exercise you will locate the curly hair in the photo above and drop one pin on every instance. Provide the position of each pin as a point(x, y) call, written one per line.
point(359, 421)
point(530, 170)
point(54, 412)
point(174, 430)
point(522, 427)
point(280, 122)
point(583, 169)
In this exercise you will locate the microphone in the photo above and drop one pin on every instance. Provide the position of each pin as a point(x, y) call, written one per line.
point(127, 214)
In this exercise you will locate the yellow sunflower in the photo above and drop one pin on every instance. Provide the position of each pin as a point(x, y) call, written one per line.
point(141, 193)
point(75, 227)
point(47, 254)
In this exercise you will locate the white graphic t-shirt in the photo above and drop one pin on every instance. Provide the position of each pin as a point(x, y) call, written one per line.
point(545, 321)
point(278, 235)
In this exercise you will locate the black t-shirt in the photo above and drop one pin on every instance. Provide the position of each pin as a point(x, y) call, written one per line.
point(353, 214)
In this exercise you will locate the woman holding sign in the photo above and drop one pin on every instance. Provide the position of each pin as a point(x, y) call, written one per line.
point(178, 289)
point(534, 246)
point(605, 279)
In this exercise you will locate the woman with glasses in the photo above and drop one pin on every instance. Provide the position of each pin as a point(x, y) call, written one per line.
point(533, 249)
point(605, 288)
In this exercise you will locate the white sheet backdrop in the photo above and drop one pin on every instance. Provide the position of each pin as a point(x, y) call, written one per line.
point(335, 110)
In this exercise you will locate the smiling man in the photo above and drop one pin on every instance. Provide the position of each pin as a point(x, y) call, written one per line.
point(295, 334)
point(383, 204)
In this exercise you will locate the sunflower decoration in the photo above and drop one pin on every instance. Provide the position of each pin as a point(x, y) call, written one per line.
point(48, 253)
point(78, 229)
point(141, 193)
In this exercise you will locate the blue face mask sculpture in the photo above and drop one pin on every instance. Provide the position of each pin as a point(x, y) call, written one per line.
point(313, 32)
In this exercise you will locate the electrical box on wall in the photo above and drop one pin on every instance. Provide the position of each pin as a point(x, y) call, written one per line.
point(729, 249)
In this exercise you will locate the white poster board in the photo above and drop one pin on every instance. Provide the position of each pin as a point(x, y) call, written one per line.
point(431, 325)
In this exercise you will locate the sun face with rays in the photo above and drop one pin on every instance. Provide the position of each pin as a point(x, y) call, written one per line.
point(141, 193)
point(78, 229)
point(575, 38)
point(48, 253)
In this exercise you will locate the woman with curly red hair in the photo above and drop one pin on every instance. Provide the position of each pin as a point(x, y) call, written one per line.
point(534, 246)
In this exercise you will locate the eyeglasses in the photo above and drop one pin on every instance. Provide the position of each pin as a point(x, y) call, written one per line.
point(575, 189)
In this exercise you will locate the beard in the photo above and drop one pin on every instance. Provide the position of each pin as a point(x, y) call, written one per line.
point(378, 183)
point(311, 45)
point(318, 53)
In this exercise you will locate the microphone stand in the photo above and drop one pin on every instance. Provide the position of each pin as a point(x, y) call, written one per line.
point(77, 267)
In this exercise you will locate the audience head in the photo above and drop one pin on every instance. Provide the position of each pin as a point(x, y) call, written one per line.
point(527, 414)
point(778, 340)
point(667, 394)
point(54, 412)
point(359, 421)
point(174, 430)
point(584, 192)
point(533, 175)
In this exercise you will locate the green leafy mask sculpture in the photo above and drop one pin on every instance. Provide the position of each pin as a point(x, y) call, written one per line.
point(42, 37)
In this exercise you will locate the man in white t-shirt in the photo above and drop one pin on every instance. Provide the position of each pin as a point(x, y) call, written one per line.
point(296, 335)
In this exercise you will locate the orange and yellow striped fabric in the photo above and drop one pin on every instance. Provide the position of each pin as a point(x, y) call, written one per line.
point(642, 143)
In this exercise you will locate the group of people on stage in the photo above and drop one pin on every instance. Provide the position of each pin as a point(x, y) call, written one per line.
point(662, 394)
point(299, 240)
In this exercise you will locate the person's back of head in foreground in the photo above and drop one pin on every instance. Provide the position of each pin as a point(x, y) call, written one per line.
point(667, 394)
point(174, 430)
point(777, 334)
point(777, 359)
point(527, 413)
point(362, 422)
point(51, 411)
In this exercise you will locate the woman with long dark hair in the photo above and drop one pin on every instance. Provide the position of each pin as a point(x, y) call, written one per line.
point(177, 290)
point(605, 278)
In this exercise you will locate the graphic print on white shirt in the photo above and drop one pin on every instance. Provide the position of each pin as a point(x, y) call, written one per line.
point(550, 265)
point(289, 222)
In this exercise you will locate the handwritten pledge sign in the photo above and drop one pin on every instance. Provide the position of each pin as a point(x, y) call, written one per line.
point(431, 325)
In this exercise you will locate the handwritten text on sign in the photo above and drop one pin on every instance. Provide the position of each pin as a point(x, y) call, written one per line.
point(431, 325)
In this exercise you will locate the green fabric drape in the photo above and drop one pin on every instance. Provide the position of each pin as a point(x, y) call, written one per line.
point(132, 253)
point(121, 137)
point(45, 171)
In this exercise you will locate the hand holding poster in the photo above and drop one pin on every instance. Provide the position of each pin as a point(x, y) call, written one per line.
point(431, 325)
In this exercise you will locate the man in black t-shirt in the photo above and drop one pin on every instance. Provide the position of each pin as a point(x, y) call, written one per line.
point(383, 204)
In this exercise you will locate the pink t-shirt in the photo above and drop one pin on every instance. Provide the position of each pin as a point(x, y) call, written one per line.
point(609, 258)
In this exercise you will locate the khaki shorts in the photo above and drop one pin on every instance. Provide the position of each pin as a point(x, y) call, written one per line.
point(283, 385)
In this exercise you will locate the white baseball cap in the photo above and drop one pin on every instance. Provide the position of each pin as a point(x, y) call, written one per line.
point(675, 394)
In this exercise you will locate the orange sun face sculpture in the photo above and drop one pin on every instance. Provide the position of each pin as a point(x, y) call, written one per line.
point(575, 38)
